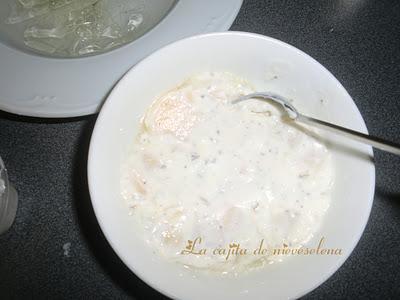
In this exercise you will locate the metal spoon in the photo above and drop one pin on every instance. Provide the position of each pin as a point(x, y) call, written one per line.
point(295, 115)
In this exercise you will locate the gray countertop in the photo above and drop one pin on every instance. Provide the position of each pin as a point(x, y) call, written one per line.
point(56, 249)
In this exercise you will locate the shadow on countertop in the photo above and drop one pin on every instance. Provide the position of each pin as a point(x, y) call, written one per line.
point(20, 118)
point(387, 196)
point(99, 247)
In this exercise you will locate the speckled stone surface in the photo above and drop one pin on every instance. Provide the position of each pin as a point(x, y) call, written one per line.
point(56, 250)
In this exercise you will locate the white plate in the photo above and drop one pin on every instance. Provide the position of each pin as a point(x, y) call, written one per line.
point(38, 86)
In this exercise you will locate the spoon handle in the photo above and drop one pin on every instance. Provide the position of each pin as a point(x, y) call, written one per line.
point(355, 135)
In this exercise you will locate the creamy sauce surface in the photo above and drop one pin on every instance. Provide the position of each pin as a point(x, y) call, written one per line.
point(204, 167)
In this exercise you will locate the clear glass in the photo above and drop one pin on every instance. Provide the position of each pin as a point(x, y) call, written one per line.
point(8, 200)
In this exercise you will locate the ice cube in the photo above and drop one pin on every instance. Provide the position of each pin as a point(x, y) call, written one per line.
point(134, 21)
point(40, 45)
point(32, 3)
point(20, 14)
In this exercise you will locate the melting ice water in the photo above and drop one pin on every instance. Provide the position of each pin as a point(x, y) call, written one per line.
point(80, 27)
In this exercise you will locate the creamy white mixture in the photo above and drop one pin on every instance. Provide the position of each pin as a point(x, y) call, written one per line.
point(204, 167)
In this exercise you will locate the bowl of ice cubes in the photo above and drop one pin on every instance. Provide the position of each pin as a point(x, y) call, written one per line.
point(60, 58)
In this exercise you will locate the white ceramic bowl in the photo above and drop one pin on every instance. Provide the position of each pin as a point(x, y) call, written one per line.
point(259, 59)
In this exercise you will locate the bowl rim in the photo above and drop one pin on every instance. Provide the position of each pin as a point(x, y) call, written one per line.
point(99, 125)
